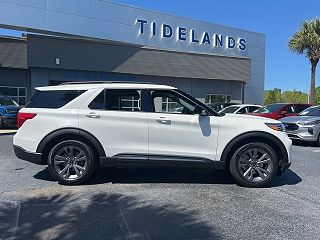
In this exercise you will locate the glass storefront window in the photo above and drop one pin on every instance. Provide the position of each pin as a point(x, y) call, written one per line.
point(18, 94)
point(214, 98)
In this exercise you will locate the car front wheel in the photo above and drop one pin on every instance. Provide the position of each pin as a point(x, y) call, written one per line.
point(254, 165)
point(71, 162)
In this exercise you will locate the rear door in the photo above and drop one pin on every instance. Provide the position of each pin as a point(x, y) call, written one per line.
point(115, 118)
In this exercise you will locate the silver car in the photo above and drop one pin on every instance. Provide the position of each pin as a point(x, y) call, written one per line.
point(305, 126)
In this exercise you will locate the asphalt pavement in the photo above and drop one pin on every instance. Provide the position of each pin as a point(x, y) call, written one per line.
point(158, 203)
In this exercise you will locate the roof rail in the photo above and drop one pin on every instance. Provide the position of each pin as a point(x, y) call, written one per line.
point(98, 82)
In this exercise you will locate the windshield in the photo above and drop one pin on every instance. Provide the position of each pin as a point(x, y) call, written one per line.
point(7, 102)
point(311, 111)
point(230, 109)
point(270, 108)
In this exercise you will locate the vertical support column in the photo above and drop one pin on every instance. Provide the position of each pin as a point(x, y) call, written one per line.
point(39, 78)
point(242, 91)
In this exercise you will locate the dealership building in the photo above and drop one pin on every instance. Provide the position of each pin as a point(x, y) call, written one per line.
point(98, 40)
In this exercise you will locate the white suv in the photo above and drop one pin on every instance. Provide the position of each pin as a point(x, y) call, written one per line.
point(77, 127)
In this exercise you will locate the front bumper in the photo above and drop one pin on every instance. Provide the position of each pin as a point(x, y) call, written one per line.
point(28, 156)
point(304, 133)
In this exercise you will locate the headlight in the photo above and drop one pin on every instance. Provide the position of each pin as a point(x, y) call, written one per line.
point(310, 123)
point(277, 127)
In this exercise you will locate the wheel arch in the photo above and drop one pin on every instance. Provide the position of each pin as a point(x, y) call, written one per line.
point(69, 134)
point(255, 136)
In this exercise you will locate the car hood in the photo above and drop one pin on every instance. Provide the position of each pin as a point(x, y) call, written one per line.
point(250, 117)
point(298, 119)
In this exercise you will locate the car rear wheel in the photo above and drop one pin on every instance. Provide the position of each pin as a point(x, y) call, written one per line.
point(254, 165)
point(71, 162)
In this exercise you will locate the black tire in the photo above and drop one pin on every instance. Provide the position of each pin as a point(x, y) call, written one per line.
point(252, 172)
point(318, 142)
point(62, 156)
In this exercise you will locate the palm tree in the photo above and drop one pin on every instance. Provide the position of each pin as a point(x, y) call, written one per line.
point(307, 41)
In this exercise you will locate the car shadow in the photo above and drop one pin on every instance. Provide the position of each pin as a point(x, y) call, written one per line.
point(289, 177)
point(101, 216)
point(169, 175)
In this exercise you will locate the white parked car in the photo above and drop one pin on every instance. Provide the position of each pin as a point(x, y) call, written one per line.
point(75, 128)
point(240, 109)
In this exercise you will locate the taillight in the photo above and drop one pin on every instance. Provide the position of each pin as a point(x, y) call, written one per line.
point(22, 117)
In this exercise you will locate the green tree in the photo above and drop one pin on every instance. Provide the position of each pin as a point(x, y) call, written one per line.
point(307, 41)
point(272, 96)
point(294, 97)
point(317, 95)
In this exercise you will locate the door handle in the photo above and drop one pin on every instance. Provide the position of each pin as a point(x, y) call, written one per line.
point(163, 120)
point(93, 115)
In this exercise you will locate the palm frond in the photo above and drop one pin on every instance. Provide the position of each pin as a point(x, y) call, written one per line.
point(307, 39)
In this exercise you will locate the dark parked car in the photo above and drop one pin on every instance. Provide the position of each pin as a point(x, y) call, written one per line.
point(218, 106)
point(280, 110)
point(8, 112)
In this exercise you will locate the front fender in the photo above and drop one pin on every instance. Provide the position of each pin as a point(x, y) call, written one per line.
point(268, 138)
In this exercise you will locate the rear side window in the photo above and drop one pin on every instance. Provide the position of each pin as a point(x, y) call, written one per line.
point(52, 99)
point(117, 100)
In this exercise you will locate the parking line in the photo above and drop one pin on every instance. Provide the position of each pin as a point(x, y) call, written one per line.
point(316, 151)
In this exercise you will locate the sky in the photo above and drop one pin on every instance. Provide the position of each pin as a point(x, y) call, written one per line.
point(277, 19)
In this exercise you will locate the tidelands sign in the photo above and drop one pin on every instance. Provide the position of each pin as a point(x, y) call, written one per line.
point(191, 35)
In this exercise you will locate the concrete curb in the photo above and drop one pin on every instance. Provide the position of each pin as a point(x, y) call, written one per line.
point(8, 133)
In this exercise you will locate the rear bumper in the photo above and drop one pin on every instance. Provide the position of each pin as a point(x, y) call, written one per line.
point(27, 156)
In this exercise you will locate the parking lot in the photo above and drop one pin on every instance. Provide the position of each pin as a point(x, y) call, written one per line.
point(158, 203)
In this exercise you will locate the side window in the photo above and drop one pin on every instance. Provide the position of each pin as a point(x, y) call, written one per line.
point(290, 109)
point(53, 99)
point(98, 102)
point(118, 100)
point(243, 110)
point(171, 102)
point(252, 109)
point(300, 108)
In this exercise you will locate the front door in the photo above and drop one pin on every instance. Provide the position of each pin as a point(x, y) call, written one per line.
point(176, 132)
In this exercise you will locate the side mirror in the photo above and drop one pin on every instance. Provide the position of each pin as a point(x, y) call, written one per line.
point(199, 110)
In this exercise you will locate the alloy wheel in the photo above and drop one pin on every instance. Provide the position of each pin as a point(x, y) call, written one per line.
point(255, 165)
point(70, 162)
